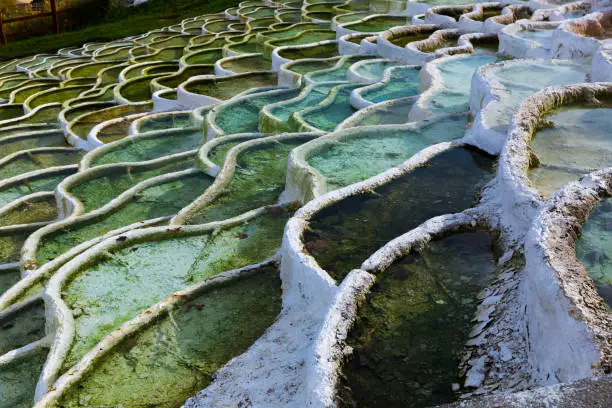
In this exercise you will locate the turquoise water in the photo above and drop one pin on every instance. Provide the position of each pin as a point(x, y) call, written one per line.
point(404, 81)
point(243, 116)
point(326, 118)
point(391, 113)
point(306, 99)
point(338, 73)
point(594, 248)
point(541, 36)
point(578, 143)
point(363, 153)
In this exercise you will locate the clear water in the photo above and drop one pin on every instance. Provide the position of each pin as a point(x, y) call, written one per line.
point(326, 118)
point(18, 380)
point(32, 161)
point(374, 70)
point(7, 279)
point(258, 181)
point(414, 323)
point(540, 36)
point(218, 153)
point(364, 153)
point(306, 99)
point(163, 199)
point(311, 65)
point(149, 148)
point(98, 191)
point(339, 73)
point(578, 143)
point(403, 82)
point(165, 364)
point(594, 248)
point(225, 88)
point(345, 234)
point(454, 94)
point(22, 328)
point(83, 124)
point(123, 283)
point(541, 74)
point(242, 116)
point(246, 64)
point(391, 113)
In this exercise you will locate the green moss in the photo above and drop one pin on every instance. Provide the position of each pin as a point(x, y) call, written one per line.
point(165, 364)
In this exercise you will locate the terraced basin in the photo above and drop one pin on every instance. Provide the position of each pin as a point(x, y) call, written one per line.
point(344, 235)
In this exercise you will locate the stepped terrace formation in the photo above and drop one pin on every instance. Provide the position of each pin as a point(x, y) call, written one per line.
point(318, 203)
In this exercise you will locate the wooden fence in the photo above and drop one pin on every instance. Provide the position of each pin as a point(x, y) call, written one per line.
point(54, 13)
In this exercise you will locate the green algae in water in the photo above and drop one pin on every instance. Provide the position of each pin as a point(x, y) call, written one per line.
point(162, 122)
point(246, 64)
point(10, 245)
point(164, 199)
point(345, 234)
point(114, 290)
point(327, 117)
point(394, 113)
point(243, 116)
point(32, 161)
point(377, 24)
point(311, 51)
point(305, 100)
point(414, 324)
point(339, 73)
point(594, 248)
point(96, 192)
point(32, 185)
point(227, 87)
point(8, 278)
point(259, 180)
point(218, 153)
point(53, 138)
point(367, 152)
point(18, 380)
point(83, 125)
point(578, 143)
point(374, 70)
point(312, 65)
point(35, 209)
point(173, 360)
point(22, 327)
point(403, 82)
point(116, 131)
point(149, 148)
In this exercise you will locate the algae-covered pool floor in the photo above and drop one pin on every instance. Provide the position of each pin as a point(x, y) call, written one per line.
point(152, 248)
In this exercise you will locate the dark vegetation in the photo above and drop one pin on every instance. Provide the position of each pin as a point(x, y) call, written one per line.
point(106, 21)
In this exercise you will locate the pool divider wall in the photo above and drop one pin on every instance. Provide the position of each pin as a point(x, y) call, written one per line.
point(330, 347)
point(561, 299)
point(575, 38)
point(554, 310)
point(225, 175)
